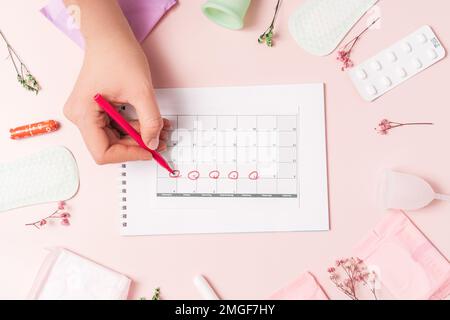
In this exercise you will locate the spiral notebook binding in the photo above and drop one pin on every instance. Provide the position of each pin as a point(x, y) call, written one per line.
point(123, 195)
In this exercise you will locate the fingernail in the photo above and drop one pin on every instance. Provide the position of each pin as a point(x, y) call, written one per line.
point(153, 144)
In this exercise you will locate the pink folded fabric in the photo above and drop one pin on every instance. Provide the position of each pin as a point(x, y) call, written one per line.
point(142, 16)
point(407, 264)
point(304, 288)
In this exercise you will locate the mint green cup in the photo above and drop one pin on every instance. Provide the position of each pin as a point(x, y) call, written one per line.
point(227, 13)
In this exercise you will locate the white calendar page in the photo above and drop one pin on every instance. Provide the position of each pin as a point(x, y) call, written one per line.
point(248, 159)
point(231, 156)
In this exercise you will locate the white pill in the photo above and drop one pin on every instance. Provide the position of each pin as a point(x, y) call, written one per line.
point(387, 82)
point(422, 38)
point(407, 47)
point(362, 74)
point(376, 65)
point(417, 63)
point(371, 90)
point(432, 54)
point(401, 72)
point(392, 57)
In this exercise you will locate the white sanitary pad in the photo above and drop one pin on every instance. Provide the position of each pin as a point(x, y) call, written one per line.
point(47, 176)
point(67, 276)
point(319, 26)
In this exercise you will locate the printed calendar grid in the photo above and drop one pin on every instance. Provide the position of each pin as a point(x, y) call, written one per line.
point(251, 177)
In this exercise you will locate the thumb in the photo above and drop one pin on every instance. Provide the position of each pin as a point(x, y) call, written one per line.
point(150, 120)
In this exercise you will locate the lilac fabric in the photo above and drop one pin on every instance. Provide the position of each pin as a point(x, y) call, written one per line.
point(142, 16)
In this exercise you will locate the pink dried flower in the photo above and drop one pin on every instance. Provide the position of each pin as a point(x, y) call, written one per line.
point(385, 125)
point(339, 262)
point(334, 277)
point(345, 53)
point(61, 205)
point(57, 214)
point(355, 273)
point(359, 278)
point(344, 57)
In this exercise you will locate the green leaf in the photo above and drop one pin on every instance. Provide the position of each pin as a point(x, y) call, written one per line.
point(156, 294)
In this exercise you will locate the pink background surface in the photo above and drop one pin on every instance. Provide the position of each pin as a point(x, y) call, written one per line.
point(186, 50)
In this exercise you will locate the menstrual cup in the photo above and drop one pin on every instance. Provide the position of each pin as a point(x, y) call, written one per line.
point(227, 13)
point(407, 192)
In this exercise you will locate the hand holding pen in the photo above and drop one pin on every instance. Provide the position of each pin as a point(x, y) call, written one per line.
point(117, 67)
point(133, 134)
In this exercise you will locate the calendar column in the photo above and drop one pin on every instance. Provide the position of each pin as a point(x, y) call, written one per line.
point(226, 155)
point(187, 155)
point(207, 155)
point(267, 155)
point(166, 184)
point(287, 157)
point(246, 150)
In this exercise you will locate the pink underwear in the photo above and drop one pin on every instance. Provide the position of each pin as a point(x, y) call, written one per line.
point(142, 16)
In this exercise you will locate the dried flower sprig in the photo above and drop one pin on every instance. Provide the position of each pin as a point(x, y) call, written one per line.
point(60, 214)
point(355, 273)
point(24, 76)
point(385, 125)
point(346, 51)
point(267, 36)
point(156, 295)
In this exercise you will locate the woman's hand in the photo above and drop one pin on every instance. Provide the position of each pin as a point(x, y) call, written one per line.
point(116, 67)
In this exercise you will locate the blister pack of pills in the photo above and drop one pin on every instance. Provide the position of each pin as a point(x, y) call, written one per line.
point(388, 69)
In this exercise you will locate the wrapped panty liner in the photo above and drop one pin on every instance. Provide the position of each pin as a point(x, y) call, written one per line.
point(67, 276)
point(408, 266)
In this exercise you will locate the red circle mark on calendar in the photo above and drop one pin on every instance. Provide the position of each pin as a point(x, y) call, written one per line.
point(175, 174)
point(194, 175)
point(254, 175)
point(233, 175)
point(215, 174)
